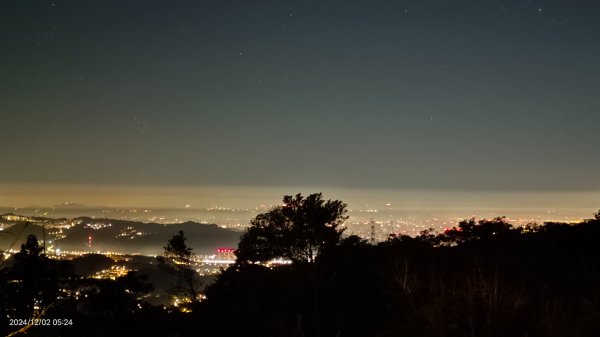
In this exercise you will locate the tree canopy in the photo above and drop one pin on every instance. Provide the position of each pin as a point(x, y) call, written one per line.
point(177, 249)
point(178, 261)
point(31, 246)
point(299, 230)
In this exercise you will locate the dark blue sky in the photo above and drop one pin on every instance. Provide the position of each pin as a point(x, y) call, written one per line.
point(463, 95)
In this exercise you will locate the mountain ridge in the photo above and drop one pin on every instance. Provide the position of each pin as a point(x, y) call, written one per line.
point(123, 236)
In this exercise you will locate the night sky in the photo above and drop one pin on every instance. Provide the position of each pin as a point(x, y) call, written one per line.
point(449, 95)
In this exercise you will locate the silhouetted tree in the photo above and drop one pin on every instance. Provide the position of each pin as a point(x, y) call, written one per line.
point(299, 230)
point(33, 282)
point(31, 247)
point(471, 229)
point(177, 250)
point(531, 227)
point(177, 259)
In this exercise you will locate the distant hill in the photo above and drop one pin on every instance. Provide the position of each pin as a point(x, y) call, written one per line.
point(114, 235)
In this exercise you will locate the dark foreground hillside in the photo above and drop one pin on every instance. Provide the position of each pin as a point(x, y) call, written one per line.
point(489, 280)
point(482, 278)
